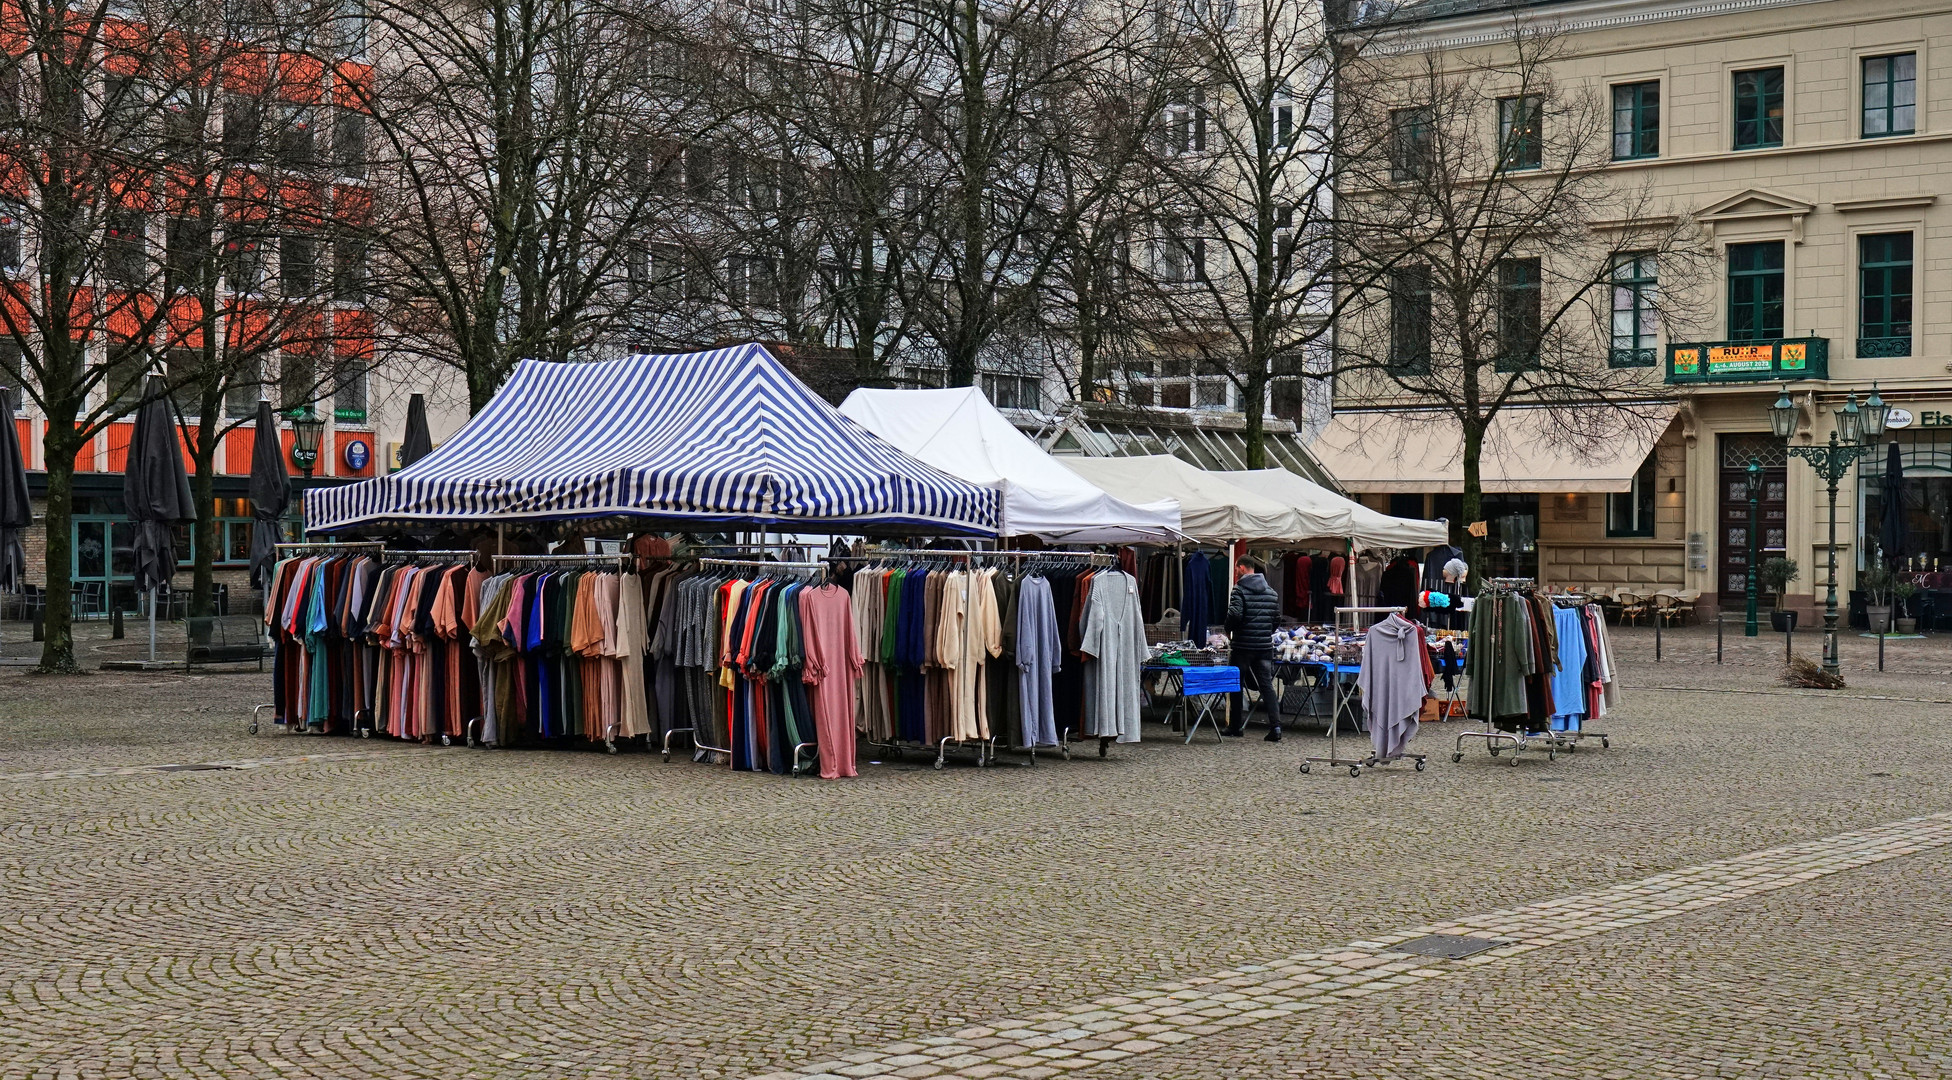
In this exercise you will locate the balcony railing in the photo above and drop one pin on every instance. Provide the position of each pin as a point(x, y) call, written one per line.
point(1749, 361)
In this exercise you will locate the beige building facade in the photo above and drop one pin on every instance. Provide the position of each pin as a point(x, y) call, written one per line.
point(1810, 141)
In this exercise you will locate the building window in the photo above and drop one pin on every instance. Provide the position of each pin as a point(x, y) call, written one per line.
point(298, 265)
point(13, 375)
point(243, 265)
point(1013, 391)
point(1282, 124)
point(1186, 125)
point(122, 380)
point(297, 139)
point(125, 248)
point(246, 386)
point(1409, 321)
point(1758, 108)
point(1176, 396)
point(1519, 132)
point(1182, 257)
point(1518, 314)
point(349, 396)
point(297, 381)
point(1755, 291)
point(349, 143)
point(1635, 319)
point(1891, 95)
point(243, 127)
point(1636, 121)
point(751, 283)
point(934, 378)
point(1884, 294)
point(1211, 394)
point(186, 251)
point(1631, 512)
point(185, 371)
point(1410, 143)
point(11, 249)
point(348, 269)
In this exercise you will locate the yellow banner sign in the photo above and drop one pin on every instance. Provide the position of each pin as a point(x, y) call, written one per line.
point(1741, 358)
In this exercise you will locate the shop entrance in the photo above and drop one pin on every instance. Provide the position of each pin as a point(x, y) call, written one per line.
point(1733, 516)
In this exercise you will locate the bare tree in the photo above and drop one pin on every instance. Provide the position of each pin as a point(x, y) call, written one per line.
point(104, 117)
point(1523, 274)
point(1244, 241)
point(528, 155)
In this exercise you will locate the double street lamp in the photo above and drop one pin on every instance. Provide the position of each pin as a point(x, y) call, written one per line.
point(1856, 433)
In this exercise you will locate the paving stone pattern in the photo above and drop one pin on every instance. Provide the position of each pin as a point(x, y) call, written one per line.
point(332, 908)
point(1140, 1021)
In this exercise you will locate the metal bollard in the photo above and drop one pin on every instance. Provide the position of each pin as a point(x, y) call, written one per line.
point(1880, 650)
point(1657, 639)
point(1789, 643)
point(1718, 637)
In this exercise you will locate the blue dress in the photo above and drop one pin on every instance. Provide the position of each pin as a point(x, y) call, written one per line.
point(1569, 682)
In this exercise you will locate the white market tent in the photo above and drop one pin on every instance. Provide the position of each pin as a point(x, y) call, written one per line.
point(1211, 507)
point(960, 432)
point(1363, 526)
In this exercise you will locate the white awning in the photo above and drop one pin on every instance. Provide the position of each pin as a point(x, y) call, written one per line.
point(1526, 450)
point(1211, 508)
point(960, 432)
point(1365, 527)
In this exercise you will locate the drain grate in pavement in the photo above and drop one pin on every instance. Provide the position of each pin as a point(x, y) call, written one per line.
point(194, 768)
point(1447, 946)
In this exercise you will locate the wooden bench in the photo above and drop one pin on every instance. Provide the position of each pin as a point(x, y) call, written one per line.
point(225, 639)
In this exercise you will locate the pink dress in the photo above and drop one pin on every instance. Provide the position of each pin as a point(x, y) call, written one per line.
point(833, 663)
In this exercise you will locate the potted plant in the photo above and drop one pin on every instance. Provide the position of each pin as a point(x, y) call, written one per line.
point(1876, 581)
point(1901, 594)
point(1776, 575)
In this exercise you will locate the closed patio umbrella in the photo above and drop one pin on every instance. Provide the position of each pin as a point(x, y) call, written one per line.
point(156, 493)
point(270, 495)
point(16, 513)
point(418, 441)
point(1891, 534)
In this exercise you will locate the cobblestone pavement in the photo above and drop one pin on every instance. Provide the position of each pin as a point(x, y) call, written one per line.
point(335, 908)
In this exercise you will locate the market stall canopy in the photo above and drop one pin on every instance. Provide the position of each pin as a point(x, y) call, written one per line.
point(726, 438)
point(1524, 451)
point(1211, 508)
point(1360, 524)
point(961, 433)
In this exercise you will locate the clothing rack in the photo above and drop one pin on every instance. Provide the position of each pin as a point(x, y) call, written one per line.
point(799, 749)
point(1342, 697)
point(402, 555)
point(345, 548)
point(546, 562)
point(1494, 739)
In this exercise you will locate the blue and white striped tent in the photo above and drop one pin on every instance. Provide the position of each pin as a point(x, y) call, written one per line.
point(722, 438)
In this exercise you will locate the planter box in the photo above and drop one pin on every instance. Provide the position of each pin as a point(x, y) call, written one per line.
point(1907, 626)
point(1782, 622)
point(1879, 616)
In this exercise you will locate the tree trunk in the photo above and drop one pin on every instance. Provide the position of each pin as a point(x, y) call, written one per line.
point(1473, 502)
point(58, 644)
point(1253, 402)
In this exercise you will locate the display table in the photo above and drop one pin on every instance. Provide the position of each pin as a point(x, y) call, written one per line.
point(1209, 683)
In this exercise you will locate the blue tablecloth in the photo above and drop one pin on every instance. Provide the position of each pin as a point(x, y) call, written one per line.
point(1209, 680)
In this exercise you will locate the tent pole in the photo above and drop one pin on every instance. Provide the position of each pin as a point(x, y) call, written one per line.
point(152, 624)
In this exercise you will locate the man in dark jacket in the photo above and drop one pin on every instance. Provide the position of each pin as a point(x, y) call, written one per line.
point(1251, 613)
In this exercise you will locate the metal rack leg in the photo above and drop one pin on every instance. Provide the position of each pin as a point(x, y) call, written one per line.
point(255, 710)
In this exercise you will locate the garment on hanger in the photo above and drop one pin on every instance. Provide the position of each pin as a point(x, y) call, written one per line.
point(1039, 655)
point(1113, 639)
point(1394, 679)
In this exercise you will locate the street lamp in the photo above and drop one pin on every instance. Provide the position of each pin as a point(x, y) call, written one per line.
point(1754, 478)
point(307, 426)
point(1856, 426)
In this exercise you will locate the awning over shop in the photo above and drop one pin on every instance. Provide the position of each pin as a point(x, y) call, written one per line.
point(1365, 527)
point(727, 437)
point(960, 432)
point(1526, 450)
point(1211, 508)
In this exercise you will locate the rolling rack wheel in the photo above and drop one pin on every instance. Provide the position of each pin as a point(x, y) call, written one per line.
point(1455, 758)
point(938, 764)
point(1355, 770)
point(447, 740)
point(1603, 743)
point(365, 733)
point(1304, 768)
point(1420, 764)
point(1104, 746)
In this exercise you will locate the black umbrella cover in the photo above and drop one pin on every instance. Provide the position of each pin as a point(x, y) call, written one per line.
point(418, 441)
point(1891, 534)
point(155, 488)
point(270, 495)
point(16, 512)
